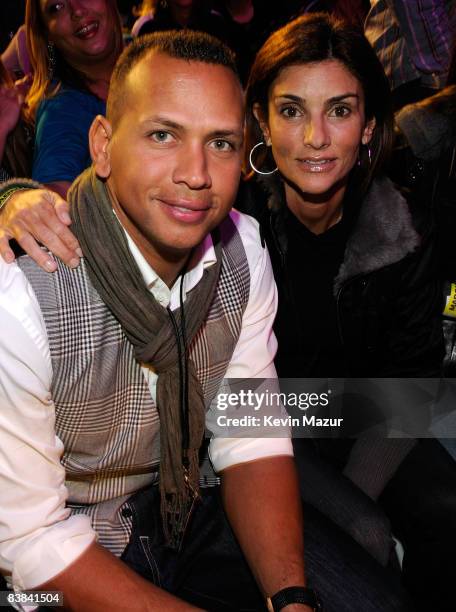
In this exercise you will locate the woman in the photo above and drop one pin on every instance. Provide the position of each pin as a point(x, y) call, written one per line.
point(328, 149)
point(356, 295)
point(74, 45)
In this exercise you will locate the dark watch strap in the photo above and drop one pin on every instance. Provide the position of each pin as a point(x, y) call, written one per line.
point(296, 594)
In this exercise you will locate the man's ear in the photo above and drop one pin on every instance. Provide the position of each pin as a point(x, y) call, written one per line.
point(259, 116)
point(368, 131)
point(99, 138)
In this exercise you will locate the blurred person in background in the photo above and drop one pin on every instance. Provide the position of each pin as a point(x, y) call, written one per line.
point(73, 46)
point(198, 15)
point(413, 40)
point(424, 162)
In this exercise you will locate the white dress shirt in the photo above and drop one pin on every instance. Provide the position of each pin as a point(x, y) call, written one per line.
point(38, 536)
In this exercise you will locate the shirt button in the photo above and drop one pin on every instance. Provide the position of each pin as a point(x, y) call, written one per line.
point(127, 513)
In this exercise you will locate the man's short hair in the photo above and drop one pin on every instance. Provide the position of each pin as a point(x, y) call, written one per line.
point(180, 44)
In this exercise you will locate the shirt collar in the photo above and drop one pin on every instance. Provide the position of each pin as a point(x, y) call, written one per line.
point(202, 258)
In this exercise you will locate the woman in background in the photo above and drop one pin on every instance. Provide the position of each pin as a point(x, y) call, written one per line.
point(74, 45)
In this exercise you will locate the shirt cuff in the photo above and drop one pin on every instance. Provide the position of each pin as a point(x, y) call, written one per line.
point(226, 452)
point(53, 552)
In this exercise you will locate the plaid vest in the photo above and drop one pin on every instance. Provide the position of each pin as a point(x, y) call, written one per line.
point(105, 415)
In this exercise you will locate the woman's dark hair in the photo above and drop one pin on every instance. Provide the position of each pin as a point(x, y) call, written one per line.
point(315, 38)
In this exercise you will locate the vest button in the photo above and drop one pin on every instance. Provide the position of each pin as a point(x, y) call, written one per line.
point(127, 513)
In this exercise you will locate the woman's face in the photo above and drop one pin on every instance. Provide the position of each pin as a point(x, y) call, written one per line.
point(316, 124)
point(82, 30)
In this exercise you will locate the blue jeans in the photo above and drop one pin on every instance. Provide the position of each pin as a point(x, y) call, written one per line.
point(210, 571)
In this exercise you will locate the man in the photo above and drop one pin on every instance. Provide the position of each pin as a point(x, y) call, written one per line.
point(88, 355)
point(170, 160)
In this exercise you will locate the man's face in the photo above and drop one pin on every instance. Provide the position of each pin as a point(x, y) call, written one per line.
point(175, 154)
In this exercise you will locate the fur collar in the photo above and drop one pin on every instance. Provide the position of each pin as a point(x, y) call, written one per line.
point(383, 235)
point(384, 232)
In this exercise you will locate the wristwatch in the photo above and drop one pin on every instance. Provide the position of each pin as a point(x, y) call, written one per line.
point(291, 595)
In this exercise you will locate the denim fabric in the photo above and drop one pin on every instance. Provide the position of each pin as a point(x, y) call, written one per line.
point(210, 571)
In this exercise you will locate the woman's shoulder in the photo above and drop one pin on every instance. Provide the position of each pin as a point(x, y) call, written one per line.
point(386, 202)
point(384, 233)
point(71, 101)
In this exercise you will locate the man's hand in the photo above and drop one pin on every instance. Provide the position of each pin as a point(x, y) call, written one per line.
point(39, 216)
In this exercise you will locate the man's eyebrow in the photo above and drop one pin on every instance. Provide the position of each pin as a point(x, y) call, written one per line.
point(226, 134)
point(299, 100)
point(165, 122)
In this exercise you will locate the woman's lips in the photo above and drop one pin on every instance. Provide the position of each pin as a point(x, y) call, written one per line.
point(317, 165)
point(87, 30)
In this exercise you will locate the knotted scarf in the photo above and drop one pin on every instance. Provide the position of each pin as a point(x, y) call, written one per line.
point(153, 334)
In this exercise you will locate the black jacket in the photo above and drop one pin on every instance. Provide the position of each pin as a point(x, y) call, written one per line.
point(424, 161)
point(388, 302)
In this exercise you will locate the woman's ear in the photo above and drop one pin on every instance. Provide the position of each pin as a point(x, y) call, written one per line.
point(368, 131)
point(260, 117)
point(99, 138)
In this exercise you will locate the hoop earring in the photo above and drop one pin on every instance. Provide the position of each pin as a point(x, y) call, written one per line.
point(255, 169)
point(52, 60)
point(369, 156)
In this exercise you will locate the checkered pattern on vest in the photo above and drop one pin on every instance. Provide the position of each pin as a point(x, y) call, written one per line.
point(105, 414)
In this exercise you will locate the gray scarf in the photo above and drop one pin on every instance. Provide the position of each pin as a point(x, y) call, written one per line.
point(159, 338)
